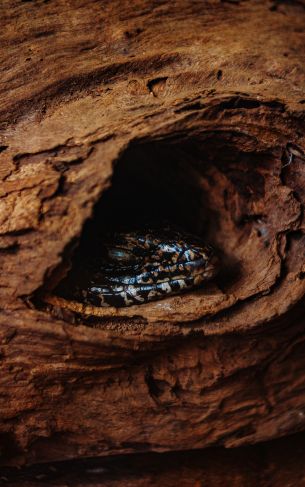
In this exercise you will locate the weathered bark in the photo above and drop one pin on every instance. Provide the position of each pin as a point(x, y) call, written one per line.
point(197, 110)
point(274, 464)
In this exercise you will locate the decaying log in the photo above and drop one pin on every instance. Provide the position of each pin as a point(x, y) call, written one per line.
point(124, 111)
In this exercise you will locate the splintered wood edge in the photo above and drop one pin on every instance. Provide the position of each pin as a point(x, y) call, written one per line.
point(170, 313)
point(86, 309)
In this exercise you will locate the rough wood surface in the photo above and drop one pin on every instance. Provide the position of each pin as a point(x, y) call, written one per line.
point(193, 108)
point(279, 463)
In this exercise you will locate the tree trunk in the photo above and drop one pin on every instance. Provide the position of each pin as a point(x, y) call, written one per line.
point(124, 111)
point(279, 463)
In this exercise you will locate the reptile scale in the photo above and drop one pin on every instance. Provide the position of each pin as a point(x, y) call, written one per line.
point(142, 266)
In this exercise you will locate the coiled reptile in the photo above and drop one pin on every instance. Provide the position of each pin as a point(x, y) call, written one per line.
point(141, 266)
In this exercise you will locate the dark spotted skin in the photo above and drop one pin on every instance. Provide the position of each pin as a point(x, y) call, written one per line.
point(139, 267)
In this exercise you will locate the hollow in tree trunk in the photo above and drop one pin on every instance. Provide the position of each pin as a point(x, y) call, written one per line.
point(191, 112)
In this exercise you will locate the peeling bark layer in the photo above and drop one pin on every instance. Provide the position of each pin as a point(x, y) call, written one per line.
point(186, 110)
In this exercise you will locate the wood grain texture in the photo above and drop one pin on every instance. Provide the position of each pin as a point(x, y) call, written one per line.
point(202, 104)
point(274, 464)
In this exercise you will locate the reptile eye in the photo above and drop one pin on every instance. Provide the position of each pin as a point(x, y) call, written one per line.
point(120, 255)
